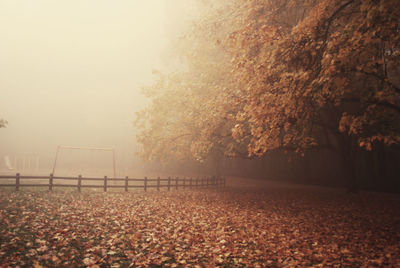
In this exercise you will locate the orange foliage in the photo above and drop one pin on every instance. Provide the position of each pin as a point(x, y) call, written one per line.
point(340, 56)
point(284, 74)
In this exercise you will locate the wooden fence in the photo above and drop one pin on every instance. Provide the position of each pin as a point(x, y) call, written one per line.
point(146, 183)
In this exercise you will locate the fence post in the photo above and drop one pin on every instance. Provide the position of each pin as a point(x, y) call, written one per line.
point(51, 182)
point(158, 183)
point(79, 183)
point(169, 183)
point(17, 182)
point(184, 182)
point(197, 182)
point(176, 183)
point(105, 183)
point(190, 183)
point(207, 181)
point(224, 181)
point(145, 184)
point(126, 183)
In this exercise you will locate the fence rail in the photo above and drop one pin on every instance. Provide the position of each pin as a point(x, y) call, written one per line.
point(145, 183)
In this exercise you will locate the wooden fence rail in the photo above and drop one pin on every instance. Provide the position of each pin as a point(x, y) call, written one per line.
point(144, 183)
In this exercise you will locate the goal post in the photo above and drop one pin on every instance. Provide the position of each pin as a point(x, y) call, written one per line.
point(60, 147)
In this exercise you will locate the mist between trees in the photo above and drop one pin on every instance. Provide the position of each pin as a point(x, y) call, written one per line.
point(303, 90)
point(300, 90)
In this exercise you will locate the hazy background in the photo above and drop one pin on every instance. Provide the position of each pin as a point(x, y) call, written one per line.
point(71, 72)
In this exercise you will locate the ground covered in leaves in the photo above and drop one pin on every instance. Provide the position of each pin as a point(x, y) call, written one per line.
point(272, 226)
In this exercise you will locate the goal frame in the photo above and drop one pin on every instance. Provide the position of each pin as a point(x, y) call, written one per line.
point(84, 148)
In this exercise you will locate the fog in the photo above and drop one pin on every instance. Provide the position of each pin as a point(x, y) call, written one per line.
point(71, 72)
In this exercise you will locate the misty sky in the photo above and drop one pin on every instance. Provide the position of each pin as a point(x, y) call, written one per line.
point(71, 71)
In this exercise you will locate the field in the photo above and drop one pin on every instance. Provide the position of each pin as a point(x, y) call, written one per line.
point(248, 223)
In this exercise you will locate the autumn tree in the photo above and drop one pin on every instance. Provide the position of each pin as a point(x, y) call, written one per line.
point(299, 75)
point(325, 76)
point(193, 110)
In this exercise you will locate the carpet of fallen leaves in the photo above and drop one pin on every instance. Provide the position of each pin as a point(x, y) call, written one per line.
point(248, 227)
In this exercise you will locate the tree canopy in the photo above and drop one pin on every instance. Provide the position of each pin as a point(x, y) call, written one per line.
point(336, 65)
point(267, 75)
point(193, 110)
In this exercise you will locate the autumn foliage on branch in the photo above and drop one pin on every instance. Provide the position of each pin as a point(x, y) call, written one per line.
point(293, 75)
point(307, 67)
point(193, 110)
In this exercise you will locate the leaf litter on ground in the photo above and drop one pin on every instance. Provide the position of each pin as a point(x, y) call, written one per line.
point(231, 227)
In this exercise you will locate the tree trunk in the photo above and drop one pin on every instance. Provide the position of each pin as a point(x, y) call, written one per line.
point(371, 169)
point(218, 163)
point(352, 182)
point(382, 166)
point(349, 151)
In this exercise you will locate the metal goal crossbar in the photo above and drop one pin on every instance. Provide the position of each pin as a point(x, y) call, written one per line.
point(84, 148)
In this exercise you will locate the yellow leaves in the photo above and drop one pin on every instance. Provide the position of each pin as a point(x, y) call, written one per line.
point(37, 265)
point(350, 123)
point(237, 132)
point(272, 65)
point(248, 226)
point(200, 149)
point(366, 144)
point(134, 238)
point(43, 248)
point(90, 262)
point(344, 122)
point(194, 109)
